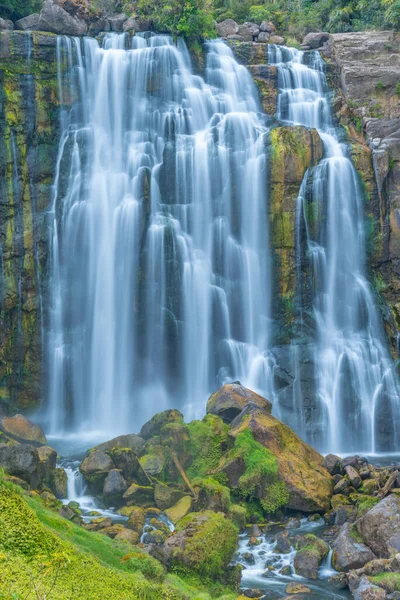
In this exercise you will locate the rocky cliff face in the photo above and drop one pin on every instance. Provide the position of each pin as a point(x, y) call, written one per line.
point(28, 150)
point(367, 68)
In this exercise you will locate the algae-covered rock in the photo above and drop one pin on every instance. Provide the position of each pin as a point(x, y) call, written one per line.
point(229, 401)
point(203, 543)
point(136, 519)
point(139, 494)
point(131, 440)
point(300, 468)
point(128, 535)
point(21, 460)
point(127, 461)
point(153, 464)
point(166, 496)
point(311, 551)
point(20, 428)
point(154, 426)
point(179, 510)
point(60, 483)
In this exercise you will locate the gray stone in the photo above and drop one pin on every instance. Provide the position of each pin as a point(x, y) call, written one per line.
point(227, 27)
point(263, 37)
point(348, 552)
point(380, 527)
point(98, 26)
point(367, 591)
point(55, 19)
point(267, 27)
point(276, 39)
point(117, 22)
point(114, 484)
point(29, 23)
point(130, 440)
point(333, 464)
point(315, 40)
point(21, 460)
point(353, 475)
point(6, 25)
point(249, 31)
point(131, 24)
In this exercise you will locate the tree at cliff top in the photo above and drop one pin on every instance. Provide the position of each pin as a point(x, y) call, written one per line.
point(191, 18)
point(15, 9)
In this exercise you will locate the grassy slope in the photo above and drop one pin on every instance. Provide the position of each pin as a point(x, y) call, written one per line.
point(39, 549)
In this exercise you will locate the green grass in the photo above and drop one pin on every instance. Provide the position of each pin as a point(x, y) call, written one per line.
point(389, 581)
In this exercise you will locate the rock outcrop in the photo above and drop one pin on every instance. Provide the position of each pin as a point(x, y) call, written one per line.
point(380, 527)
point(229, 401)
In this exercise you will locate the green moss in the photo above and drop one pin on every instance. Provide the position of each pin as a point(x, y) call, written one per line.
point(260, 478)
point(208, 439)
point(366, 504)
point(389, 581)
point(216, 492)
point(209, 547)
point(355, 535)
point(311, 544)
point(37, 546)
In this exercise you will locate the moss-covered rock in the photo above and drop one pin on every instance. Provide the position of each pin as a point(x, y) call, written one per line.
point(60, 483)
point(179, 510)
point(311, 551)
point(95, 468)
point(154, 426)
point(139, 494)
point(166, 496)
point(204, 543)
point(299, 467)
point(20, 428)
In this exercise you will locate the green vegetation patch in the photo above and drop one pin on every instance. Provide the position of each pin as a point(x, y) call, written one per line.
point(389, 581)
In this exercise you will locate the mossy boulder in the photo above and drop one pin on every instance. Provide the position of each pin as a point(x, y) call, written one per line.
point(132, 441)
point(203, 543)
point(179, 510)
point(20, 428)
point(136, 519)
point(114, 487)
point(95, 468)
point(311, 551)
point(127, 461)
point(211, 495)
point(308, 484)
point(21, 460)
point(152, 464)
point(380, 527)
point(154, 426)
point(166, 496)
point(349, 550)
point(59, 484)
point(142, 495)
point(229, 401)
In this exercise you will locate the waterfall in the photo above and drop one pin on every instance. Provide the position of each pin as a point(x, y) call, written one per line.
point(160, 271)
point(355, 381)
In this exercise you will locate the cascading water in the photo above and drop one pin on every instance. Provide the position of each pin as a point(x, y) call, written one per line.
point(160, 254)
point(356, 385)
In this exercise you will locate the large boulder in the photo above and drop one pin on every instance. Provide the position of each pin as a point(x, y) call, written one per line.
point(315, 40)
point(380, 527)
point(299, 466)
point(6, 25)
point(130, 440)
point(368, 591)
point(21, 429)
point(29, 23)
point(154, 426)
point(55, 19)
point(204, 543)
point(47, 463)
point(227, 27)
point(114, 485)
point(249, 31)
point(267, 27)
point(59, 484)
point(349, 551)
point(333, 464)
point(229, 401)
point(139, 494)
point(95, 468)
point(180, 509)
point(117, 22)
point(166, 496)
point(21, 460)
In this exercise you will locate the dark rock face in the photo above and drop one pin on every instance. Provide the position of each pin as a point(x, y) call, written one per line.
point(333, 464)
point(29, 136)
point(29, 23)
point(114, 484)
point(154, 426)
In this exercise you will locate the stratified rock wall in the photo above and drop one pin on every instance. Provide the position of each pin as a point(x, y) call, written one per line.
point(368, 70)
point(29, 131)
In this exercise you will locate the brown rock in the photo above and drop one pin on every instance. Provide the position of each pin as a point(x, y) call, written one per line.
point(229, 401)
point(20, 428)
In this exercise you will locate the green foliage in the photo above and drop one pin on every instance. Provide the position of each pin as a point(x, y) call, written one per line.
point(192, 19)
point(16, 9)
point(389, 581)
point(261, 476)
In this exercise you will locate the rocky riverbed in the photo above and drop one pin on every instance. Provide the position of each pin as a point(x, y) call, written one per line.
point(236, 498)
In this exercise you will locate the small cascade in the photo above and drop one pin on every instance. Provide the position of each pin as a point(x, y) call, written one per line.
point(267, 569)
point(356, 386)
